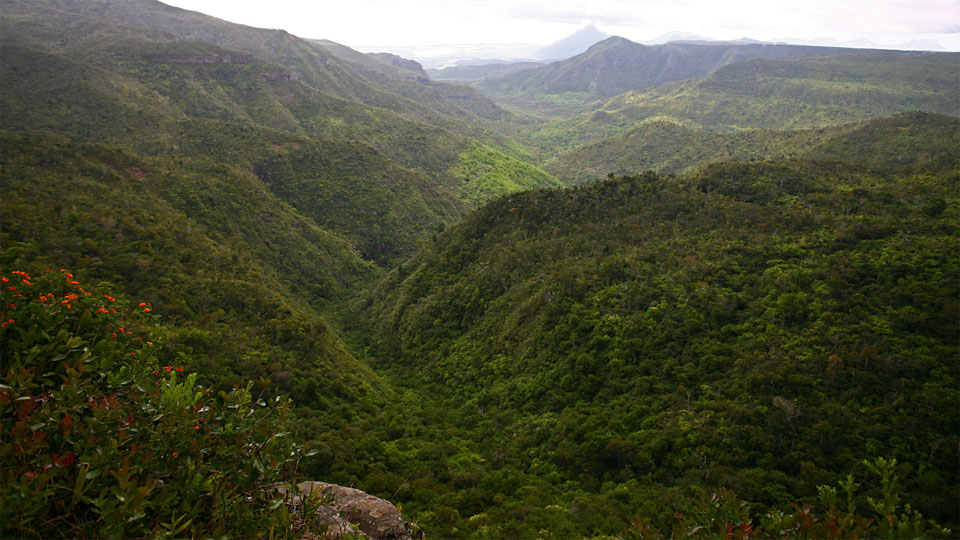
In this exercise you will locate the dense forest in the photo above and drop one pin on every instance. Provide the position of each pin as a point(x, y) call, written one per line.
point(717, 301)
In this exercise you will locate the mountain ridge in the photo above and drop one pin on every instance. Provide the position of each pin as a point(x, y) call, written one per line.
point(617, 65)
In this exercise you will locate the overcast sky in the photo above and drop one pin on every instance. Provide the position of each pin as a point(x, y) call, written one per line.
point(360, 23)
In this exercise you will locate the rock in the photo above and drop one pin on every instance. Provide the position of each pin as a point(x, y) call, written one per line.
point(344, 510)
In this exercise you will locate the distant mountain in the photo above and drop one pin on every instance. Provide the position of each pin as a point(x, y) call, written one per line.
point(775, 94)
point(910, 140)
point(675, 36)
point(617, 65)
point(572, 45)
point(466, 73)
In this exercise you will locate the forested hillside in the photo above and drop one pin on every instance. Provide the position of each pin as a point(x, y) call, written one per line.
point(774, 94)
point(617, 65)
point(716, 291)
point(610, 349)
point(915, 140)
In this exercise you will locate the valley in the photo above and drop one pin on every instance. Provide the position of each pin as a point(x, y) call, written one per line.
point(610, 296)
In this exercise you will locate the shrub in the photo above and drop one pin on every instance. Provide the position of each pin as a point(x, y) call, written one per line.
point(100, 441)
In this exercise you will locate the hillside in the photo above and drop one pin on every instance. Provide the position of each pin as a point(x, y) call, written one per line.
point(916, 140)
point(326, 266)
point(183, 97)
point(601, 353)
point(775, 94)
point(71, 23)
point(235, 278)
point(617, 65)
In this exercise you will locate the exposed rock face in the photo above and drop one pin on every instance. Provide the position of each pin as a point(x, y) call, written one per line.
point(349, 509)
point(404, 63)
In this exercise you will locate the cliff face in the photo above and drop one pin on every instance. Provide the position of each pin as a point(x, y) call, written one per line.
point(337, 512)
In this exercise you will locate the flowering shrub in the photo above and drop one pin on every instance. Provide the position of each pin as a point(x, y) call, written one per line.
point(101, 441)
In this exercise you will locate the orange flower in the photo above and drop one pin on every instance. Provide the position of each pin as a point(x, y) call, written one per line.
point(146, 310)
point(4, 324)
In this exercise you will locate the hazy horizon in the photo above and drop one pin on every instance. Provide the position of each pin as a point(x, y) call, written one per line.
point(406, 25)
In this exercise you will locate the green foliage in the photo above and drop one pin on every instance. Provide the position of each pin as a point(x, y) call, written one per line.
point(774, 94)
point(100, 440)
point(237, 274)
point(560, 363)
point(723, 515)
point(914, 140)
point(487, 173)
point(752, 326)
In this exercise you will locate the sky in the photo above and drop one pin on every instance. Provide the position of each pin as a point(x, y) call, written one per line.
point(381, 24)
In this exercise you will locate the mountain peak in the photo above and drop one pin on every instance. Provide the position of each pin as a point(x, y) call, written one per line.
point(574, 44)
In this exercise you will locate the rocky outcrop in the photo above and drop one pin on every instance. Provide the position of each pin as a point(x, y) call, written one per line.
point(401, 62)
point(342, 510)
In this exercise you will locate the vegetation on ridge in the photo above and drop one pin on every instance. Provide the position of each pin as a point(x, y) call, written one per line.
point(912, 140)
point(731, 351)
point(604, 352)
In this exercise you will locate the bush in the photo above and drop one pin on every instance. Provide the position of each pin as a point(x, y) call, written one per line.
point(99, 441)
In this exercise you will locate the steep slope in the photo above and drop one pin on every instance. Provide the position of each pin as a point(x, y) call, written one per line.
point(198, 100)
point(238, 279)
point(606, 351)
point(777, 94)
point(460, 110)
point(916, 140)
point(180, 105)
point(617, 65)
